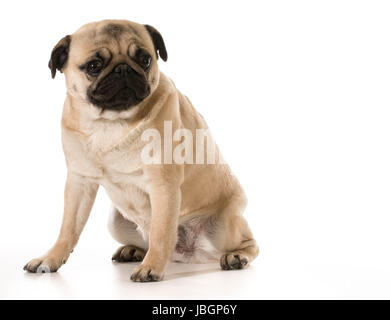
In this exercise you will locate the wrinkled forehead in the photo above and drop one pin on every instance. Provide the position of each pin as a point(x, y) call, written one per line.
point(117, 37)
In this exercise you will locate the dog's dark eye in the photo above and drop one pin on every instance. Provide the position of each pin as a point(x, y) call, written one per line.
point(94, 67)
point(145, 61)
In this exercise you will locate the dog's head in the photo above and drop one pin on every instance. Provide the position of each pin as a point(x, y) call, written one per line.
point(112, 63)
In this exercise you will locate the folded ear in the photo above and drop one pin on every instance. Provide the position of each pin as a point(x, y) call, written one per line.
point(158, 42)
point(59, 55)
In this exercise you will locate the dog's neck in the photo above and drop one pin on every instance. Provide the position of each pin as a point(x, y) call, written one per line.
point(103, 130)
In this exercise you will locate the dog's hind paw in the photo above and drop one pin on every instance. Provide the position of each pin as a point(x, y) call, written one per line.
point(233, 261)
point(128, 253)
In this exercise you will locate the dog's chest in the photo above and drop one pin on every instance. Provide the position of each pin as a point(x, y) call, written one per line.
point(115, 150)
point(122, 169)
point(124, 181)
point(104, 136)
point(117, 157)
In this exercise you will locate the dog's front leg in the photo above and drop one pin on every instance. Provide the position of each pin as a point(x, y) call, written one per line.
point(79, 197)
point(165, 198)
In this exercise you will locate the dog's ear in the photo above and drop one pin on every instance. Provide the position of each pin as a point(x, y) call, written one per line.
point(59, 55)
point(158, 42)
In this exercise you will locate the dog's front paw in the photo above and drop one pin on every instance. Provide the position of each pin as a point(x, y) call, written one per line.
point(146, 273)
point(45, 264)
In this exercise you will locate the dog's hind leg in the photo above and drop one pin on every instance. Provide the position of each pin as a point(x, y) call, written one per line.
point(124, 231)
point(232, 236)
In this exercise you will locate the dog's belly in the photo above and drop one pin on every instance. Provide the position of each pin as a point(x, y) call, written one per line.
point(128, 194)
point(194, 244)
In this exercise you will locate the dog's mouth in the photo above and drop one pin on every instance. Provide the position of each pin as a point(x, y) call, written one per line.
point(118, 91)
point(123, 99)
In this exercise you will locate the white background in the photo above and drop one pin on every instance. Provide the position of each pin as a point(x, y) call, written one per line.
point(296, 94)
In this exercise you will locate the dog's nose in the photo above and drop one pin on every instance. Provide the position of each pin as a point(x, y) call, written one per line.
point(122, 68)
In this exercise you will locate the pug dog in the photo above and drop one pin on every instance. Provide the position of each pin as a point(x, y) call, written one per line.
point(162, 209)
